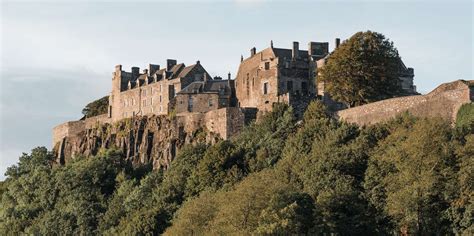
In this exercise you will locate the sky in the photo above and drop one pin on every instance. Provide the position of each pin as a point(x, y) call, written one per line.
point(56, 56)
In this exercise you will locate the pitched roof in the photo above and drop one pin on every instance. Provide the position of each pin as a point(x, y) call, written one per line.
point(210, 86)
point(185, 71)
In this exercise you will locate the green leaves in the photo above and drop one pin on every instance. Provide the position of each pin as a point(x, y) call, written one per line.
point(363, 69)
point(316, 177)
point(97, 107)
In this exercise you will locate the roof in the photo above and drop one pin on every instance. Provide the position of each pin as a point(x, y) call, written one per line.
point(176, 69)
point(284, 52)
point(210, 86)
point(185, 71)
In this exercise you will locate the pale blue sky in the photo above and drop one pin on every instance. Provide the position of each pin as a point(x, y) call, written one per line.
point(56, 56)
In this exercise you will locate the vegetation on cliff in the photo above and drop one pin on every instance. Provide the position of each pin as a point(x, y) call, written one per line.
point(97, 107)
point(279, 176)
point(363, 69)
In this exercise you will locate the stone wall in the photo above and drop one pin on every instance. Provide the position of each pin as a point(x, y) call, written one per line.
point(201, 102)
point(444, 102)
point(224, 122)
point(67, 129)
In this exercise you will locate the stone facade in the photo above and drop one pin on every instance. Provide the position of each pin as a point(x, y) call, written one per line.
point(169, 106)
point(276, 75)
point(152, 91)
point(442, 102)
point(204, 96)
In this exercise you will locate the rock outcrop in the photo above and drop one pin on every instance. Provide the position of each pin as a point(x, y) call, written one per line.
point(144, 140)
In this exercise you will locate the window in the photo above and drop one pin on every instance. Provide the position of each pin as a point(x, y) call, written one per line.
point(144, 103)
point(151, 101)
point(161, 87)
point(267, 65)
point(265, 88)
point(160, 98)
point(190, 104)
point(304, 87)
point(253, 82)
point(289, 86)
point(161, 108)
point(209, 102)
point(144, 93)
point(248, 87)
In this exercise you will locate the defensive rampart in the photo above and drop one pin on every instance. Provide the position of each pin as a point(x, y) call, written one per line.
point(444, 102)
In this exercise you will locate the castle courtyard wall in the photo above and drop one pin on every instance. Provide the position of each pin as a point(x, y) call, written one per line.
point(443, 102)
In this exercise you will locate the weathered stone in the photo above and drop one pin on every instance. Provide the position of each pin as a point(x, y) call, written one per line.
point(444, 102)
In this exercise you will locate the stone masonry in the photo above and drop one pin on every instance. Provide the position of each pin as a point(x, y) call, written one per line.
point(444, 102)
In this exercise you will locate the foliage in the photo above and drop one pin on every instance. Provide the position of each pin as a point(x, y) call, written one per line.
point(97, 107)
point(465, 116)
point(260, 204)
point(363, 69)
point(278, 177)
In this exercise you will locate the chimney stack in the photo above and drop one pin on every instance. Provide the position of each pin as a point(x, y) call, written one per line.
point(170, 63)
point(205, 77)
point(118, 67)
point(296, 50)
point(338, 41)
point(135, 72)
point(153, 68)
point(253, 51)
point(228, 76)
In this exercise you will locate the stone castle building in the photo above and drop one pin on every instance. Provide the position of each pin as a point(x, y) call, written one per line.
point(290, 76)
point(273, 75)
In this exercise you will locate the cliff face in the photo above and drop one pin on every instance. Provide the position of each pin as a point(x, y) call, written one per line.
point(144, 140)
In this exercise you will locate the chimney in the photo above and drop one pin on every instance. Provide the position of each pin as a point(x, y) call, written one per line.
point(228, 76)
point(153, 68)
point(145, 71)
point(205, 77)
point(271, 43)
point(198, 62)
point(241, 58)
point(338, 41)
point(118, 67)
point(253, 51)
point(296, 50)
point(170, 63)
point(135, 72)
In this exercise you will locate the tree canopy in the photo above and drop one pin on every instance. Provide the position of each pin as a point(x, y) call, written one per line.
point(278, 177)
point(97, 107)
point(363, 69)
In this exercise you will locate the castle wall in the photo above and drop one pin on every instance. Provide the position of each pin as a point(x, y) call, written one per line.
point(252, 75)
point(225, 122)
point(201, 102)
point(68, 129)
point(442, 102)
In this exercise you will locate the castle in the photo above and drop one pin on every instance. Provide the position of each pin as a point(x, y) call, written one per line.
point(273, 75)
point(221, 106)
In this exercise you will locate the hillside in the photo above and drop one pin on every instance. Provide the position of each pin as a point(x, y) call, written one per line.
point(279, 176)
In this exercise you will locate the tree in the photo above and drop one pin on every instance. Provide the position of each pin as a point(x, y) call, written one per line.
point(409, 176)
point(97, 107)
point(261, 204)
point(363, 69)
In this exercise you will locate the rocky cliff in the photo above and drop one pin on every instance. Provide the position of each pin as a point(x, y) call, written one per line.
point(144, 140)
